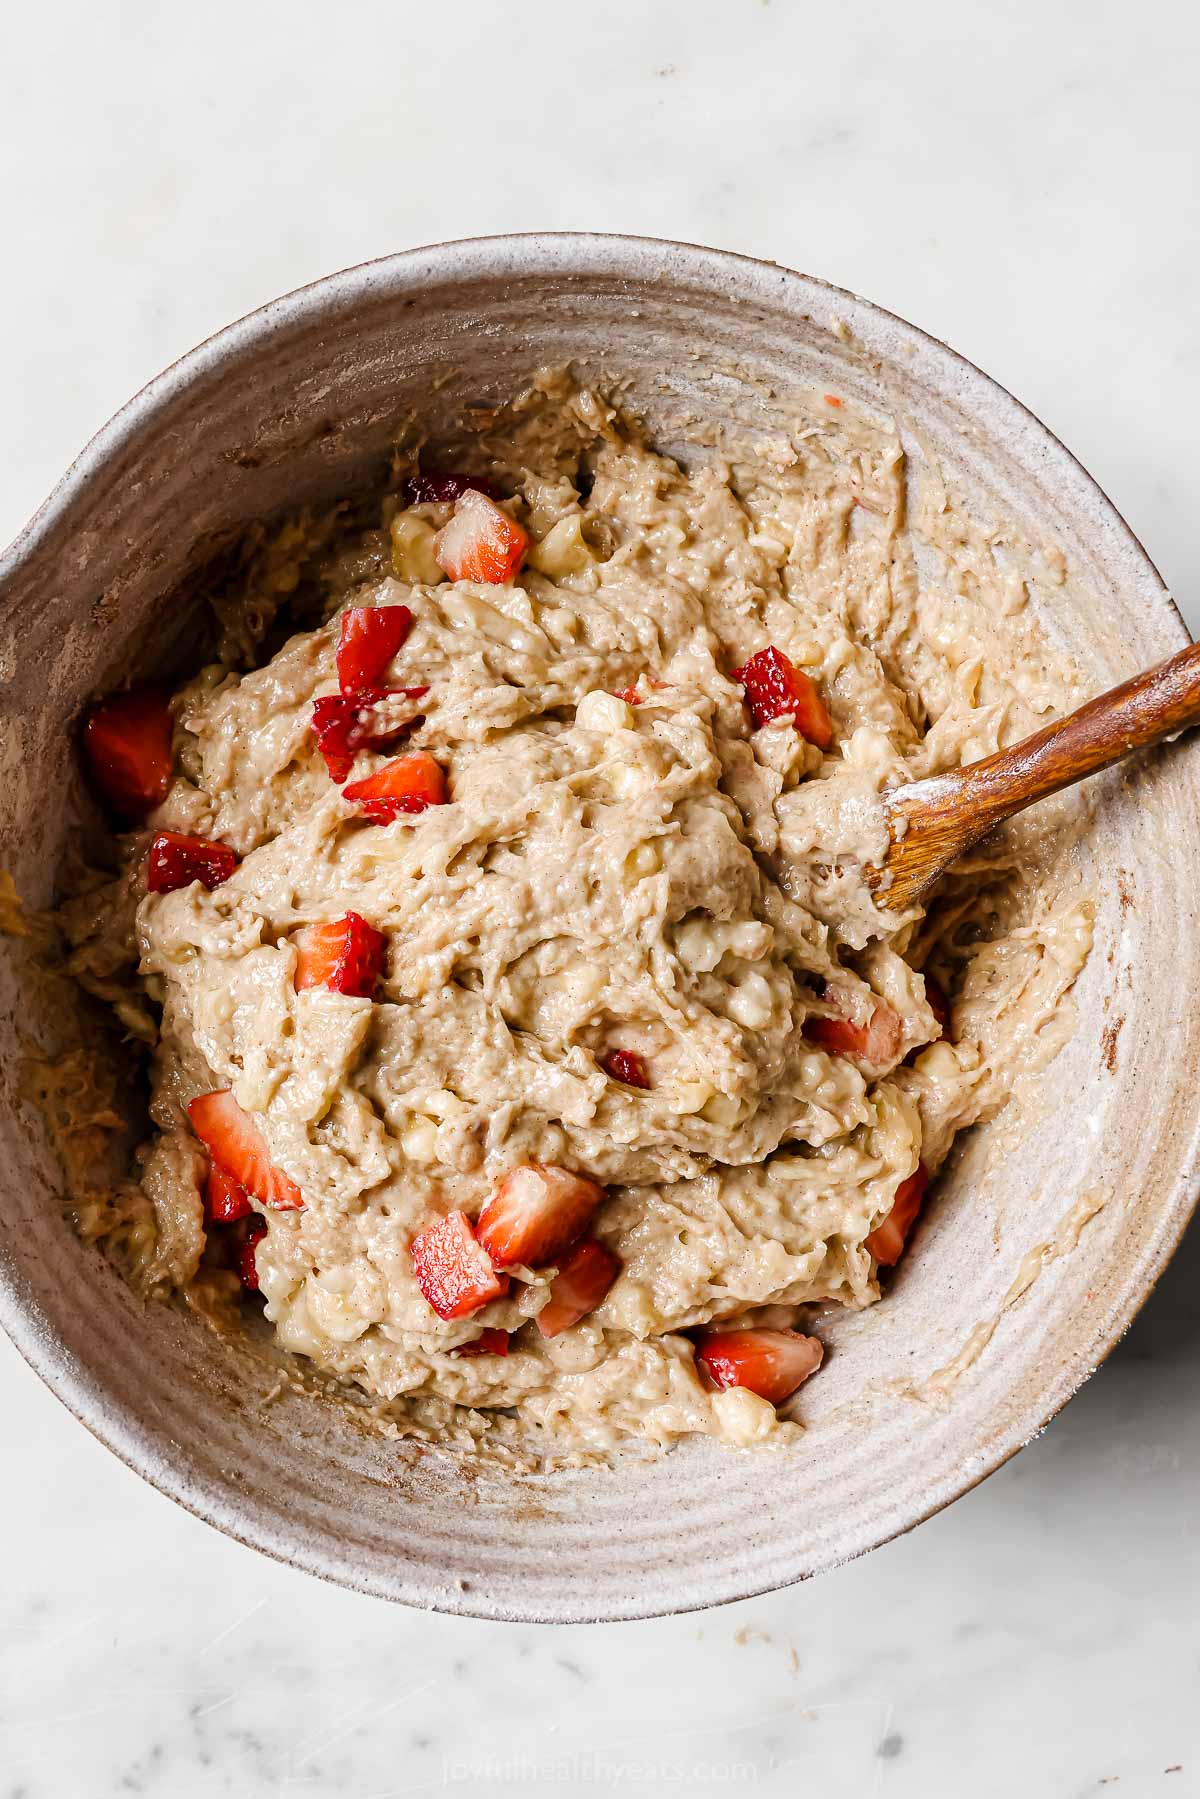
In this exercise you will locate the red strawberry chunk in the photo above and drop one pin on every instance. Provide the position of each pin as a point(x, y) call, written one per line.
point(585, 1273)
point(481, 543)
point(224, 1198)
point(453, 1271)
point(640, 695)
point(877, 1043)
point(176, 861)
point(370, 637)
point(771, 1363)
point(535, 1212)
point(409, 784)
point(887, 1240)
point(775, 687)
point(627, 1066)
point(127, 742)
point(424, 489)
point(346, 723)
point(488, 1342)
point(244, 1259)
point(344, 954)
point(236, 1144)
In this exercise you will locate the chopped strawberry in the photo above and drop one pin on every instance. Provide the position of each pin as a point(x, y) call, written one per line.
point(585, 1273)
point(236, 1144)
point(481, 543)
point(488, 1342)
point(633, 696)
point(876, 1043)
point(176, 861)
point(244, 1255)
point(344, 954)
point(453, 1270)
point(535, 1212)
point(775, 687)
point(627, 1066)
point(409, 784)
point(346, 723)
point(887, 1240)
point(771, 1363)
point(370, 637)
point(224, 1198)
point(127, 741)
point(837, 1036)
point(437, 489)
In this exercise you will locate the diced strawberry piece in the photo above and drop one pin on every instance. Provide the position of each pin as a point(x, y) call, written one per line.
point(488, 1342)
point(176, 861)
point(633, 696)
point(236, 1144)
point(771, 1363)
point(453, 1271)
point(333, 718)
point(876, 1043)
point(937, 1002)
point(346, 723)
point(585, 1273)
point(775, 687)
point(127, 741)
point(885, 1034)
point(627, 1066)
point(408, 785)
point(370, 637)
point(481, 543)
point(224, 1198)
point(886, 1242)
point(837, 1036)
point(437, 489)
point(535, 1212)
point(244, 1255)
point(344, 954)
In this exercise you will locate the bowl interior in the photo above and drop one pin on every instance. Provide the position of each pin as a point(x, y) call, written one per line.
point(302, 401)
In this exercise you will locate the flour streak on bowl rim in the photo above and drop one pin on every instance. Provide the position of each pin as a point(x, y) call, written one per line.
point(574, 254)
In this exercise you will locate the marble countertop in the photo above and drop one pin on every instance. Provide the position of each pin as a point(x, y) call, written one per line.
point(1021, 181)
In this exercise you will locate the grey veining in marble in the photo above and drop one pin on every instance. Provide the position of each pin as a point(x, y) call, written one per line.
point(1020, 180)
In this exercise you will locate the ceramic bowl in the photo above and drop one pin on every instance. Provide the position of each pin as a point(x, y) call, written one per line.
point(299, 401)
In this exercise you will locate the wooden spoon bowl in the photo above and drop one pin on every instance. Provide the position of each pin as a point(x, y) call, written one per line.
point(932, 822)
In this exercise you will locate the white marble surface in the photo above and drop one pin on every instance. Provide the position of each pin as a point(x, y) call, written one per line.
point(1021, 180)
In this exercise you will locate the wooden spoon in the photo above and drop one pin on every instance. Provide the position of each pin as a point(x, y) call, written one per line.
point(931, 822)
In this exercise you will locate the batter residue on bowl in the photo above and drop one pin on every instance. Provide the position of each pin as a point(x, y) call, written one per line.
point(521, 1025)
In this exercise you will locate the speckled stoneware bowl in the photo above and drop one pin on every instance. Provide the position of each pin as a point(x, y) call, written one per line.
point(298, 401)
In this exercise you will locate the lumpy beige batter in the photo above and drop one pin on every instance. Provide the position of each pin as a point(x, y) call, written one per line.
point(657, 877)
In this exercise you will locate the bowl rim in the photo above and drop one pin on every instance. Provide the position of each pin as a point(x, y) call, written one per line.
point(529, 252)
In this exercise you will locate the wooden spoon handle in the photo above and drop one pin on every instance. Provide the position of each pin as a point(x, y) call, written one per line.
point(1142, 711)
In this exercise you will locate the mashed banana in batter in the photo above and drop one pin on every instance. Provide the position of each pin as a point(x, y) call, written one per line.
point(620, 976)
